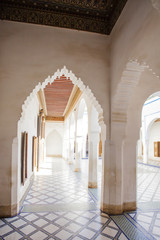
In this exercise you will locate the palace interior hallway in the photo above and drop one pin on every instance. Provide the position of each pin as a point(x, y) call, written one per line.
point(60, 206)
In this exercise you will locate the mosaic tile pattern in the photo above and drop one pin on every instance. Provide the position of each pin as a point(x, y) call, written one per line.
point(58, 187)
point(148, 220)
point(59, 206)
point(59, 225)
point(148, 184)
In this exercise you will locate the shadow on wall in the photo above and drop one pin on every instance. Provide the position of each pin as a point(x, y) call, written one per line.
point(54, 144)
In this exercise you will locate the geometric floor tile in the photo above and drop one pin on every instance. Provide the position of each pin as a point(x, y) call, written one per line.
point(64, 208)
point(101, 237)
point(12, 236)
point(87, 233)
point(5, 229)
point(31, 217)
point(40, 222)
point(51, 228)
point(63, 235)
point(18, 223)
point(110, 232)
point(38, 236)
point(73, 227)
point(95, 225)
point(28, 229)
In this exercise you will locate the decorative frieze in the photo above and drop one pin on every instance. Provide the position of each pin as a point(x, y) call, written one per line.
point(93, 16)
point(129, 80)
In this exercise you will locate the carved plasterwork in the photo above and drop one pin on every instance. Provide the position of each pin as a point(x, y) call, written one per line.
point(87, 15)
point(57, 119)
point(129, 80)
point(76, 81)
point(156, 4)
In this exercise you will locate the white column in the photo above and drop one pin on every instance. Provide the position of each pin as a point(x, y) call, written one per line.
point(145, 150)
point(93, 145)
point(145, 141)
point(112, 170)
point(15, 178)
point(78, 149)
point(70, 153)
point(84, 146)
point(76, 140)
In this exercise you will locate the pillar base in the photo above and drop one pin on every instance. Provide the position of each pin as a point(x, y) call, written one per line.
point(9, 210)
point(112, 209)
point(130, 206)
point(118, 209)
point(92, 185)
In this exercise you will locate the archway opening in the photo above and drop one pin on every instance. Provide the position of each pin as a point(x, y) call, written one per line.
point(54, 144)
point(61, 127)
point(148, 153)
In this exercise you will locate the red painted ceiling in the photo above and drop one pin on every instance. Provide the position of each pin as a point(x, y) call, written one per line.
point(57, 95)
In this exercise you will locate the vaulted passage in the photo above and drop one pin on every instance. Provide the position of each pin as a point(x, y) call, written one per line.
point(60, 120)
point(74, 78)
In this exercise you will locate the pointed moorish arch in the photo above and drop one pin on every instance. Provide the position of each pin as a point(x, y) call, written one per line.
point(86, 91)
point(126, 111)
point(128, 82)
point(76, 81)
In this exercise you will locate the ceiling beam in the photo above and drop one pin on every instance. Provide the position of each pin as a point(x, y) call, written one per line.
point(42, 101)
point(54, 119)
point(74, 97)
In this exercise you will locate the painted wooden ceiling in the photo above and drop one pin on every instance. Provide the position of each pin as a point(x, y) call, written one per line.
point(57, 95)
point(88, 15)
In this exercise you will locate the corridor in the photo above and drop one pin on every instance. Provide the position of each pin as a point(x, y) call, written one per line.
point(60, 206)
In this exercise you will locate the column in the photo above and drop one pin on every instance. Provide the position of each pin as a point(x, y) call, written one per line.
point(84, 140)
point(42, 137)
point(145, 141)
point(112, 170)
point(70, 153)
point(145, 150)
point(129, 173)
point(93, 146)
point(77, 153)
point(77, 163)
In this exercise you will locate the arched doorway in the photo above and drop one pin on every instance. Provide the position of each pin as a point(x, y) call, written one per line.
point(68, 121)
point(54, 144)
point(148, 153)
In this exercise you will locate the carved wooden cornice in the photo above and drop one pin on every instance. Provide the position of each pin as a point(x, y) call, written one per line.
point(57, 119)
point(87, 15)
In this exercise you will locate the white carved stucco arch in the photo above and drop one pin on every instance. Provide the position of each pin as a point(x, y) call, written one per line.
point(76, 81)
point(129, 80)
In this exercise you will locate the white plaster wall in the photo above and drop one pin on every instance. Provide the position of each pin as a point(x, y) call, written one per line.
point(154, 137)
point(29, 53)
point(29, 124)
point(136, 35)
point(54, 132)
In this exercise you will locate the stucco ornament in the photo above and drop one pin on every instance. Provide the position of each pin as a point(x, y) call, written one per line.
point(156, 4)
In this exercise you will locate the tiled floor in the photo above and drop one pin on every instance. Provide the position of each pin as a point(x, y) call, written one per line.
point(59, 206)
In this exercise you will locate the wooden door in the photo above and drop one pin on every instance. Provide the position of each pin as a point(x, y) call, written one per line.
point(156, 149)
